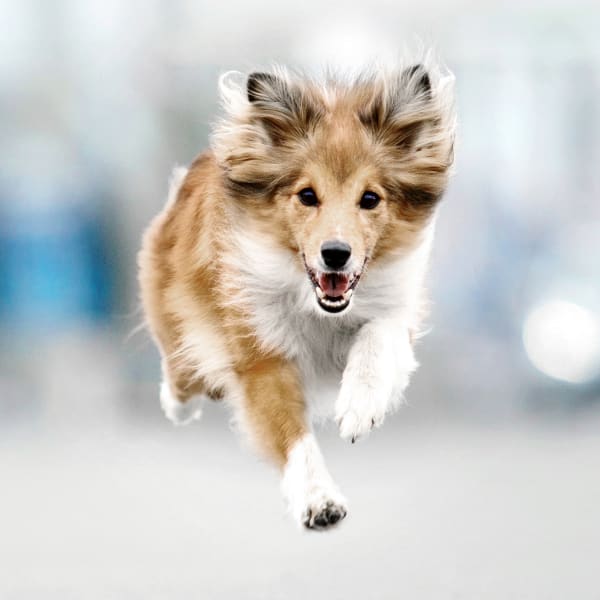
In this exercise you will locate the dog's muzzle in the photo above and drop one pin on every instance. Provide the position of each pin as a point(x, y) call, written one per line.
point(333, 289)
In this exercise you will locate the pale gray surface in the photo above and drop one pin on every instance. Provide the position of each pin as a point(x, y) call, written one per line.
point(436, 511)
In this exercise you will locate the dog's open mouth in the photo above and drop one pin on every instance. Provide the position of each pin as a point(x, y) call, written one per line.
point(333, 290)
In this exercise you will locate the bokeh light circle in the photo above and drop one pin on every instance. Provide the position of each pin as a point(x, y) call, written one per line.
point(562, 339)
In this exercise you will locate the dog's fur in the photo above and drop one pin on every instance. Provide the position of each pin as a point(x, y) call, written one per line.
point(232, 272)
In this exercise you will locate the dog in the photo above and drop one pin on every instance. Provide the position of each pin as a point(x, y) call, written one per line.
point(285, 274)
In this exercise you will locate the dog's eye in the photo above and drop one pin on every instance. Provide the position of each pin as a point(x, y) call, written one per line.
point(369, 200)
point(308, 197)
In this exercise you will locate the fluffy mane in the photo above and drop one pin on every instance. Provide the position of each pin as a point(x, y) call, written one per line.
point(272, 121)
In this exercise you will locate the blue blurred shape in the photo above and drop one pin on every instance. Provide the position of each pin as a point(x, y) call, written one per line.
point(54, 265)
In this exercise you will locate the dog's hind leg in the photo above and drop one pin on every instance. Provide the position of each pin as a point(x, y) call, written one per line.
point(181, 394)
point(273, 412)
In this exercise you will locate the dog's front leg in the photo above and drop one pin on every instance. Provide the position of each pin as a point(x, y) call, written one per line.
point(377, 372)
point(273, 412)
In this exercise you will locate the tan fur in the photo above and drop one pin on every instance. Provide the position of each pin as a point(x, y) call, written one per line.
point(381, 133)
point(179, 278)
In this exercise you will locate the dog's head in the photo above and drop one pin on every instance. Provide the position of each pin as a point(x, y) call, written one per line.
point(341, 173)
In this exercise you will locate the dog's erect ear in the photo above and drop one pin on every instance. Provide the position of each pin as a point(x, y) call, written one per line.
point(282, 106)
point(417, 80)
point(401, 113)
point(267, 87)
point(263, 86)
point(272, 102)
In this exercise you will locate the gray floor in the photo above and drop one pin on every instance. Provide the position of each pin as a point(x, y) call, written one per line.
point(436, 511)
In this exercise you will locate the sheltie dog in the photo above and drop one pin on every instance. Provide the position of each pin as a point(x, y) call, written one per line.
point(288, 262)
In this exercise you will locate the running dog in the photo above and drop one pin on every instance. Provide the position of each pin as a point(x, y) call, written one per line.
point(285, 274)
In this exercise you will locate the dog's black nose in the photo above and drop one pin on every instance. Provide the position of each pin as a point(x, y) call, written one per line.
point(335, 253)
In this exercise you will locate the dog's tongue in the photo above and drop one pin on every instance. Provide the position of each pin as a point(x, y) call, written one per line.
point(333, 284)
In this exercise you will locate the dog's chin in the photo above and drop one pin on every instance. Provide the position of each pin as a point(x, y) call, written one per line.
point(333, 290)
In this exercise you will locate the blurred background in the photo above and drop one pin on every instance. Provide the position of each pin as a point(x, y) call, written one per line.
point(484, 486)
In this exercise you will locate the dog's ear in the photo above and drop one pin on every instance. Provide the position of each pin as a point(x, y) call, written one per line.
point(413, 97)
point(262, 86)
point(400, 111)
point(416, 81)
point(283, 107)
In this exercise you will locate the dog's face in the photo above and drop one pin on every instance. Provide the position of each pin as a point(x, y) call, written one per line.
point(340, 175)
point(339, 213)
point(336, 223)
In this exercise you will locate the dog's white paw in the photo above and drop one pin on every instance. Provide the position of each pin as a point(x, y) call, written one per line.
point(320, 506)
point(324, 509)
point(313, 499)
point(360, 408)
point(376, 374)
point(179, 413)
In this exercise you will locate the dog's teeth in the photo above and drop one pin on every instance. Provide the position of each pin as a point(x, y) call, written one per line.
point(334, 303)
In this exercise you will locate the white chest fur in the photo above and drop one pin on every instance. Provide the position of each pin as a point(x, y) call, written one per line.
point(283, 311)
